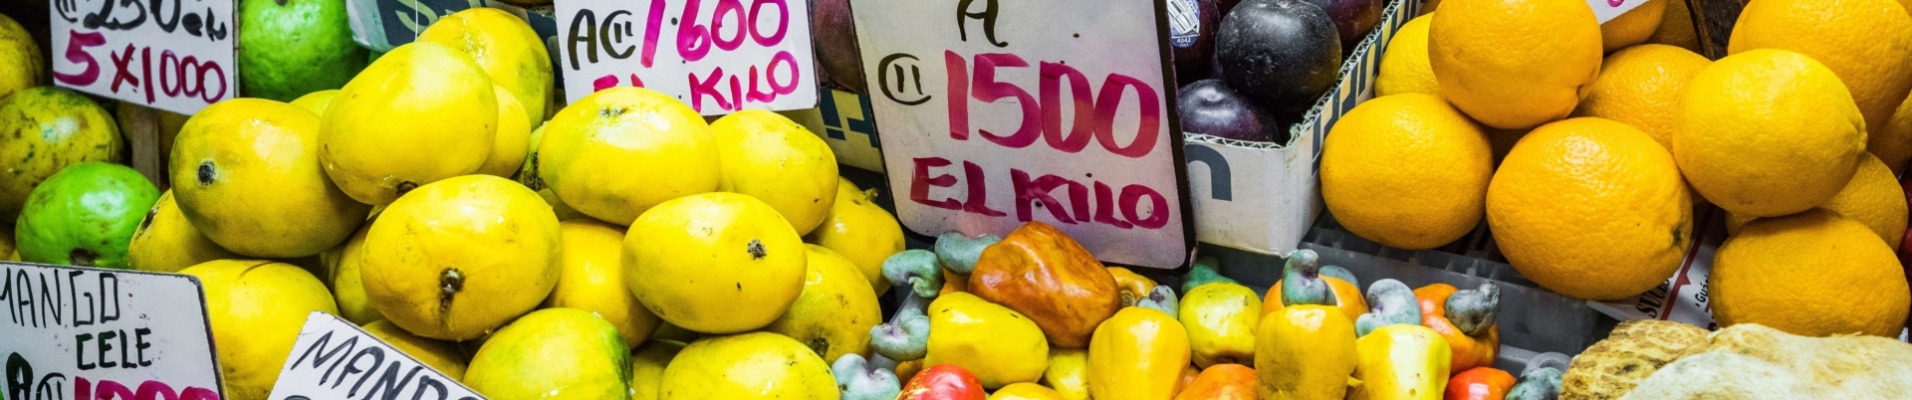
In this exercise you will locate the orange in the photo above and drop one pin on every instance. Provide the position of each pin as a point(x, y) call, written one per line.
point(1676, 27)
point(1633, 27)
point(1893, 142)
point(1590, 208)
point(1514, 64)
point(1641, 86)
point(1406, 171)
point(1873, 198)
point(1404, 67)
point(1778, 147)
point(1812, 274)
point(1868, 43)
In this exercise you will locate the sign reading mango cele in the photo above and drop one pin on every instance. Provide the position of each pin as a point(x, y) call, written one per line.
point(997, 113)
point(85, 333)
point(718, 56)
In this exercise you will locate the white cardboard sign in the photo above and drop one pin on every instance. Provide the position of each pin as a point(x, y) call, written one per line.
point(718, 56)
point(86, 333)
point(1607, 10)
point(997, 113)
point(174, 55)
point(334, 359)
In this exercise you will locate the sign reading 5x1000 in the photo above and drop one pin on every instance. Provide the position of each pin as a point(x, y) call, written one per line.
point(175, 55)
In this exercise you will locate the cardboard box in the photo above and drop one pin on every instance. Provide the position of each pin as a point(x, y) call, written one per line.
point(1261, 197)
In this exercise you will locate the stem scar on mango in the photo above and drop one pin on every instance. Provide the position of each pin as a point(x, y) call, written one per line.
point(449, 283)
point(205, 173)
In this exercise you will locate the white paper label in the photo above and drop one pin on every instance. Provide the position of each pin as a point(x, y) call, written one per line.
point(85, 333)
point(718, 56)
point(174, 55)
point(1607, 10)
point(995, 114)
point(334, 359)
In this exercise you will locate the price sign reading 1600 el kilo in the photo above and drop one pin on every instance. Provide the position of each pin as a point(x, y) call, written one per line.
point(997, 113)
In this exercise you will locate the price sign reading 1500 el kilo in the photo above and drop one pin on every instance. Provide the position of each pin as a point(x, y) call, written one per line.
point(997, 113)
point(175, 55)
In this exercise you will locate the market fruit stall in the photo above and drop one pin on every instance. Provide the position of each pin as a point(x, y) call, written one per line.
point(870, 200)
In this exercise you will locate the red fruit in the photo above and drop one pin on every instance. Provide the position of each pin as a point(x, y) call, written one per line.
point(944, 382)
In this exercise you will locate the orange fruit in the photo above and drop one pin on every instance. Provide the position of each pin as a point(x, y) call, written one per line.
point(1812, 274)
point(1514, 64)
point(1406, 171)
point(1868, 43)
point(1641, 86)
point(1778, 147)
point(1590, 208)
point(1676, 27)
point(1893, 142)
point(1404, 67)
point(1873, 198)
point(1634, 27)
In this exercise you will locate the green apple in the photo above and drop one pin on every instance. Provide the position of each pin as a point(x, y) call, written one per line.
point(84, 215)
point(288, 48)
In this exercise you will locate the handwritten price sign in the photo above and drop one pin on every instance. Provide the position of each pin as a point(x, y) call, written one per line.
point(719, 56)
point(84, 333)
point(999, 113)
point(335, 360)
point(175, 55)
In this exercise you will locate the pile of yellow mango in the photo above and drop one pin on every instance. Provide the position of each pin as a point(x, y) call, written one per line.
point(1033, 315)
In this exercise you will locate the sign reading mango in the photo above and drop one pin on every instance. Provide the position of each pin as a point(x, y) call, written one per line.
point(84, 333)
point(334, 359)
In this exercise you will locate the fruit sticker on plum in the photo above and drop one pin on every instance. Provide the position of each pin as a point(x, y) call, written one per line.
point(87, 333)
point(1184, 22)
point(718, 56)
point(998, 113)
point(334, 359)
point(174, 55)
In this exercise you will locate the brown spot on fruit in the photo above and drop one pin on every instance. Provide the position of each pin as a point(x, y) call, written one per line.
point(147, 222)
point(756, 249)
point(82, 257)
point(205, 173)
point(406, 186)
point(820, 346)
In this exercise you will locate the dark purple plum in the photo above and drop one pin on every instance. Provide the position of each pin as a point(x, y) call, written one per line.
point(1191, 30)
point(1282, 53)
point(1211, 107)
point(1227, 5)
point(835, 40)
point(1353, 19)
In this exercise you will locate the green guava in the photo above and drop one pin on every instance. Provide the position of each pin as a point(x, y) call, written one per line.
point(288, 48)
point(84, 215)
